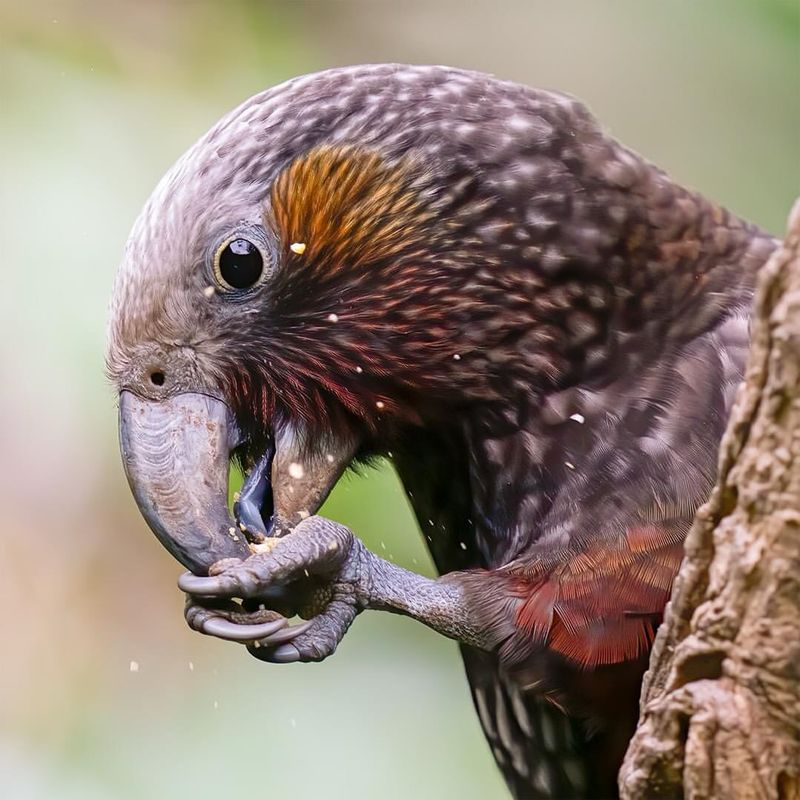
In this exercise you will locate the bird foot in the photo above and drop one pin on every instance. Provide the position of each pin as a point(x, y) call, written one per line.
point(323, 573)
point(316, 571)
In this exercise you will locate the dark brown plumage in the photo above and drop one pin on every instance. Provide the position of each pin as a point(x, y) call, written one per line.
point(543, 329)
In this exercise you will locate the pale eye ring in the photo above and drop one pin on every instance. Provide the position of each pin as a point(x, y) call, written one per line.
point(238, 264)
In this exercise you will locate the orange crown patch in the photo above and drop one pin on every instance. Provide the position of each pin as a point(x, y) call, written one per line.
point(339, 207)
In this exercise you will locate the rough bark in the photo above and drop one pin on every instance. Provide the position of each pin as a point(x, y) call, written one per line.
point(721, 702)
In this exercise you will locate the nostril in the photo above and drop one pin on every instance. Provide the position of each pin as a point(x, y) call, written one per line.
point(157, 378)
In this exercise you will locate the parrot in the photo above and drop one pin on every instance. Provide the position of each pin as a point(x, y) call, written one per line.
point(540, 329)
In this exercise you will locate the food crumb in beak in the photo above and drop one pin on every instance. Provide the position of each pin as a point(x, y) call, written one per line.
point(298, 247)
point(264, 547)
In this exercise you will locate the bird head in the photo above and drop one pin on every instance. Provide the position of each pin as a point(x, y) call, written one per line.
point(287, 288)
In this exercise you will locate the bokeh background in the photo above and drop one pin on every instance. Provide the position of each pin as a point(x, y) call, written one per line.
point(103, 691)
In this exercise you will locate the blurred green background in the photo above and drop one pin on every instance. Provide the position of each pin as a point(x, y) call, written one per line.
point(104, 693)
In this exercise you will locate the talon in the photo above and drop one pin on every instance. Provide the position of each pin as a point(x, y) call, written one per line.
point(283, 654)
point(202, 587)
point(284, 635)
point(216, 626)
point(255, 492)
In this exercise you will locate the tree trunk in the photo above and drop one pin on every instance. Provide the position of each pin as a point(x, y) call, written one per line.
point(721, 703)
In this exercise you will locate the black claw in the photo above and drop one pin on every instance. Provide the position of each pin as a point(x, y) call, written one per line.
point(255, 492)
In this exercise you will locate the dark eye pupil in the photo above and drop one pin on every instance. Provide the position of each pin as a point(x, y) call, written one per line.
point(240, 264)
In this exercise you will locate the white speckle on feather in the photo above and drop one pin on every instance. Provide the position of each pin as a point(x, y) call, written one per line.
point(359, 370)
point(578, 418)
point(333, 317)
point(569, 465)
point(380, 405)
point(329, 458)
point(209, 291)
point(298, 247)
point(462, 545)
point(456, 357)
point(296, 470)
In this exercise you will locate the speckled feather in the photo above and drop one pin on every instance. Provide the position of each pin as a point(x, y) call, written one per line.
point(543, 327)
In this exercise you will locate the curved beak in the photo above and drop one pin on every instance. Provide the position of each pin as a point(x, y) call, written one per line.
point(176, 454)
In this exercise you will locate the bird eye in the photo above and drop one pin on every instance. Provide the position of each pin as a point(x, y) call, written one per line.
point(239, 264)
